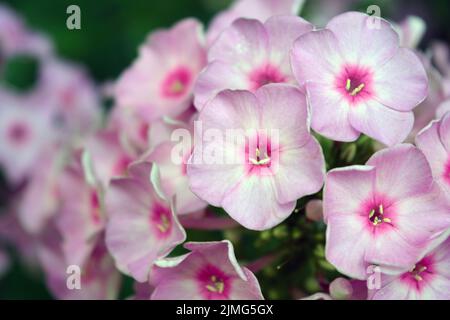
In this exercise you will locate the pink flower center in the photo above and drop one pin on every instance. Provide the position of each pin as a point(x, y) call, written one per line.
point(161, 219)
point(18, 133)
point(355, 83)
point(258, 151)
point(265, 74)
point(214, 283)
point(377, 216)
point(177, 83)
point(420, 273)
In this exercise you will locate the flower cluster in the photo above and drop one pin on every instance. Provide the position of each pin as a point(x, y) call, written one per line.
point(312, 136)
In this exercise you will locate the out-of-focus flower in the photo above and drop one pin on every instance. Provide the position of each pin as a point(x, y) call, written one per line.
point(434, 141)
point(70, 96)
point(385, 213)
point(250, 54)
point(251, 9)
point(99, 279)
point(411, 31)
point(353, 71)
point(209, 271)
point(314, 210)
point(142, 226)
point(24, 133)
point(258, 176)
point(160, 81)
point(15, 38)
point(428, 279)
point(81, 216)
point(40, 199)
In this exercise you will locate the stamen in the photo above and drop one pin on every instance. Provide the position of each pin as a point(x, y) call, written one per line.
point(357, 89)
point(177, 87)
point(259, 161)
point(387, 220)
point(216, 286)
point(381, 209)
point(371, 213)
point(418, 277)
point(164, 225)
point(348, 85)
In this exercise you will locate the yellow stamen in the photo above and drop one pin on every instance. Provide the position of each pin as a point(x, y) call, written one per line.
point(177, 87)
point(357, 89)
point(381, 209)
point(371, 213)
point(348, 85)
point(164, 225)
point(216, 286)
point(387, 220)
point(418, 277)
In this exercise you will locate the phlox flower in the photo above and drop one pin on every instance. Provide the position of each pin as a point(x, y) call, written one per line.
point(258, 176)
point(250, 54)
point(384, 213)
point(171, 156)
point(23, 134)
point(358, 79)
point(209, 271)
point(428, 279)
point(160, 81)
point(251, 9)
point(99, 279)
point(142, 226)
point(434, 143)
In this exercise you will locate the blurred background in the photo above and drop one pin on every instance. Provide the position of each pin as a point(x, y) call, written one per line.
point(112, 30)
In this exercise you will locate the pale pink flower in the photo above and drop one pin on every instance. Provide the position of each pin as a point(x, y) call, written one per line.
point(23, 135)
point(142, 226)
point(258, 177)
point(386, 212)
point(250, 54)
point(160, 81)
point(209, 271)
point(428, 279)
point(411, 31)
point(171, 156)
point(434, 143)
point(81, 215)
point(354, 72)
point(251, 9)
point(99, 279)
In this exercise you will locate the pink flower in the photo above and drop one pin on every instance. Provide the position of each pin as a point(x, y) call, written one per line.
point(384, 213)
point(68, 93)
point(248, 55)
point(354, 71)
point(160, 81)
point(23, 135)
point(171, 167)
point(81, 217)
point(209, 272)
point(40, 199)
point(411, 31)
point(99, 279)
point(251, 9)
point(258, 177)
point(428, 279)
point(434, 143)
point(142, 226)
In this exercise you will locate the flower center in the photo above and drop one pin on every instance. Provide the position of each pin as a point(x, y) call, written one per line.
point(216, 285)
point(260, 158)
point(376, 216)
point(355, 83)
point(417, 272)
point(18, 133)
point(265, 74)
point(161, 219)
point(176, 83)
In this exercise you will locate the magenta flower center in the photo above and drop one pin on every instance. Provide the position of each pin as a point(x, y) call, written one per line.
point(377, 215)
point(264, 75)
point(355, 83)
point(18, 133)
point(177, 83)
point(214, 283)
point(161, 219)
point(258, 151)
point(420, 273)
